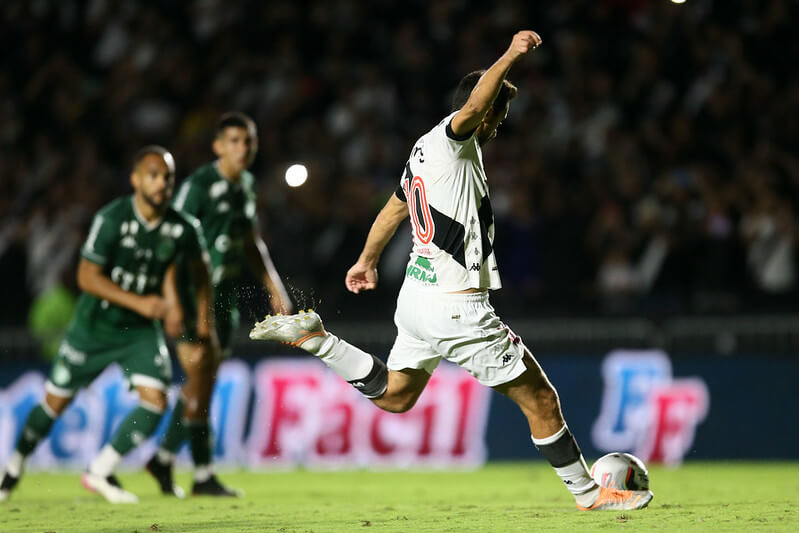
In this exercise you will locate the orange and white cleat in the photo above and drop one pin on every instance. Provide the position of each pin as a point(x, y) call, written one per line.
point(303, 330)
point(620, 500)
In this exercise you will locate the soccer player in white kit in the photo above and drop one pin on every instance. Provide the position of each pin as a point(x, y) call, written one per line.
point(443, 308)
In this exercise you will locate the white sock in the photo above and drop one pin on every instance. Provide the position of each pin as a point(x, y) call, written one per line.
point(16, 464)
point(575, 475)
point(106, 462)
point(165, 456)
point(578, 474)
point(346, 360)
point(202, 473)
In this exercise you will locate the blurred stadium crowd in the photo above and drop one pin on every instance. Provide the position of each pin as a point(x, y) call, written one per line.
point(648, 165)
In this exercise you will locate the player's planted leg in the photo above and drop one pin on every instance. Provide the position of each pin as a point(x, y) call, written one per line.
point(539, 401)
point(160, 464)
point(135, 429)
point(190, 421)
point(205, 480)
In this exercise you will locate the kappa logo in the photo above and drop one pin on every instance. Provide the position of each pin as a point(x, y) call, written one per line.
point(475, 267)
point(506, 358)
point(647, 411)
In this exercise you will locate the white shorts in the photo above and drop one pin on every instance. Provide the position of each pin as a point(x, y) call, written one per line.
point(461, 328)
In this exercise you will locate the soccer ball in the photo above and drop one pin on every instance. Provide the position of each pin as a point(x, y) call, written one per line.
point(621, 471)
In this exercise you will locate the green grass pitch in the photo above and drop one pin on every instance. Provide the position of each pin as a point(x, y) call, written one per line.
point(501, 497)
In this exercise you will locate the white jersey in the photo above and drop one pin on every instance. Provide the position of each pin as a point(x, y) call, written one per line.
point(451, 218)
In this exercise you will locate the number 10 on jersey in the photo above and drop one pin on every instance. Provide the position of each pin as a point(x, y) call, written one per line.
point(421, 219)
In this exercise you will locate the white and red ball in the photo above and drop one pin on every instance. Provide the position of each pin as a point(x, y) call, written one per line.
point(620, 471)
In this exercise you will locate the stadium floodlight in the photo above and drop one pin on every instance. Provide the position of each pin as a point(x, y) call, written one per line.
point(296, 175)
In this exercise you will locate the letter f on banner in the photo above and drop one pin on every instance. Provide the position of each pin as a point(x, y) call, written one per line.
point(676, 410)
point(629, 376)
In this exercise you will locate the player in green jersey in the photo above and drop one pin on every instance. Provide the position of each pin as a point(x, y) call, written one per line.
point(221, 196)
point(133, 243)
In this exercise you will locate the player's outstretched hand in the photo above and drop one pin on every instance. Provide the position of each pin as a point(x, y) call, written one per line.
point(361, 278)
point(153, 306)
point(523, 42)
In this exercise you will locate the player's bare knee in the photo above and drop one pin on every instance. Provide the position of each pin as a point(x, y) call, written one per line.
point(196, 358)
point(57, 403)
point(153, 399)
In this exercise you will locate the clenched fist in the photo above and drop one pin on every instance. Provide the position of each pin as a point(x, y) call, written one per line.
point(152, 306)
point(523, 42)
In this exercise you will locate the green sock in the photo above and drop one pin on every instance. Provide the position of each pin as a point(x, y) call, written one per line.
point(200, 438)
point(140, 424)
point(36, 427)
point(176, 431)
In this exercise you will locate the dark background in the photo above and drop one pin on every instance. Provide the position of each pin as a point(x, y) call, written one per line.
point(648, 168)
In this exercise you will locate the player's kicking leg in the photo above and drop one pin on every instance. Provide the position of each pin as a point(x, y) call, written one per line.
point(140, 424)
point(304, 330)
point(190, 420)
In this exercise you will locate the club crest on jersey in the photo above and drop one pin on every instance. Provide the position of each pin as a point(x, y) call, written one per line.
point(647, 411)
point(423, 271)
point(218, 189)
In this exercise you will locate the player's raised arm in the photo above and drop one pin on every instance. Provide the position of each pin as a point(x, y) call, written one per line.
point(262, 267)
point(92, 280)
point(363, 274)
point(485, 92)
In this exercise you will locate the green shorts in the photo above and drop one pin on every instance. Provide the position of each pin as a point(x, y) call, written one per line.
point(142, 354)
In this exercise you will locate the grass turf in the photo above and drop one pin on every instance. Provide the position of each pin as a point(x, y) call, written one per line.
point(500, 497)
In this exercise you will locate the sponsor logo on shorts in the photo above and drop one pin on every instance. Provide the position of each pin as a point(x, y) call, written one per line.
point(75, 357)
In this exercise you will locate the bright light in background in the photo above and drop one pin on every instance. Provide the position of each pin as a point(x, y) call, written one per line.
point(296, 175)
point(677, 1)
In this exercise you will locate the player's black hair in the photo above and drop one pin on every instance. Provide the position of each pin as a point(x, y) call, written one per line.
point(506, 93)
point(235, 119)
point(158, 150)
